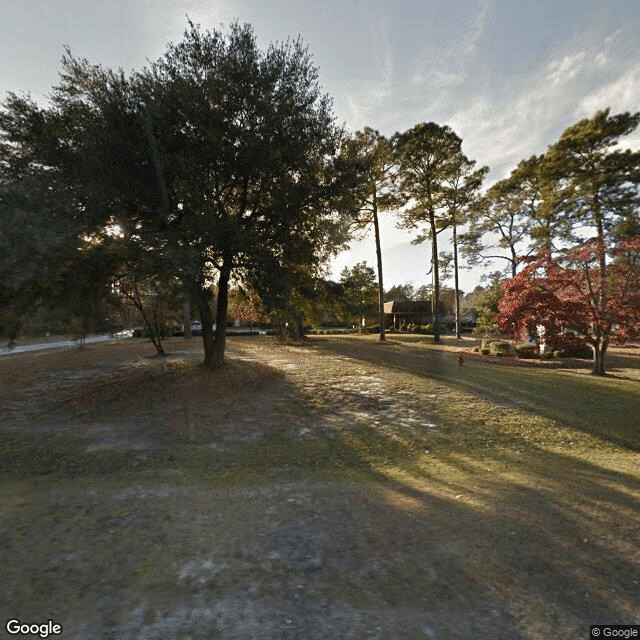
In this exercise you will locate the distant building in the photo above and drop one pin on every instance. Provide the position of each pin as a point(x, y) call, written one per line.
point(410, 312)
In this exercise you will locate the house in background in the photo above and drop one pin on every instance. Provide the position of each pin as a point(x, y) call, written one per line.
point(409, 312)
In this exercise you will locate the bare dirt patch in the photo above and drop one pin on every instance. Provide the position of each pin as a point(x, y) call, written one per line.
point(338, 489)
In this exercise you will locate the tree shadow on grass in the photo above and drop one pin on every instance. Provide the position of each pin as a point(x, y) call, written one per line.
point(603, 407)
point(369, 536)
point(554, 546)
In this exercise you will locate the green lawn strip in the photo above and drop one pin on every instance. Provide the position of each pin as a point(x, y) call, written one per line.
point(478, 406)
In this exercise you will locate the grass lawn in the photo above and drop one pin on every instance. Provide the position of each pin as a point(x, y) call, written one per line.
point(339, 488)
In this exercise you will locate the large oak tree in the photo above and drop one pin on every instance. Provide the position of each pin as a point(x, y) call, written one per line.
point(214, 156)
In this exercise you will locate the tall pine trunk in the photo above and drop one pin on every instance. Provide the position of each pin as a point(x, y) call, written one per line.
point(376, 229)
point(600, 350)
point(435, 300)
point(456, 280)
point(151, 323)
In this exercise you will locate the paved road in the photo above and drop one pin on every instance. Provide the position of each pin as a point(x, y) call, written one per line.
point(58, 344)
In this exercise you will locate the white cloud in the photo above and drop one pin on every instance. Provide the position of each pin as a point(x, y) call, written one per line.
point(621, 94)
point(451, 67)
point(566, 68)
point(502, 131)
point(369, 95)
point(500, 136)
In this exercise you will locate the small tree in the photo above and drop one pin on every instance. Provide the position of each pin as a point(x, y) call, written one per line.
point(486, 303)
point(564, 294)
point(360, 293)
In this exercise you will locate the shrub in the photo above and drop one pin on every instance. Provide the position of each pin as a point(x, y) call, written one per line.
point(558, 354)
point(579, 351)
point(499, 348)
point(484, 351)
point(403, 327)
point(487, 340)
point(573, 346)
point(526, 350)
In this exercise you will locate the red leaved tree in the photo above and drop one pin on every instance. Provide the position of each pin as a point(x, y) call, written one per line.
point(570, 294)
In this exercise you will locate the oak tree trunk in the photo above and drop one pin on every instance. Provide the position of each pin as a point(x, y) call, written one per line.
point(186, 317)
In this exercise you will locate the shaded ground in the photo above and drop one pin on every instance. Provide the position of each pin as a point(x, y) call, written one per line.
point(340, 489)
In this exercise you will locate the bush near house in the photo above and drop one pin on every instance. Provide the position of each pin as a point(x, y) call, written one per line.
point(526, 350)
point(487, 340)
point(499, 348)
point(572, 346)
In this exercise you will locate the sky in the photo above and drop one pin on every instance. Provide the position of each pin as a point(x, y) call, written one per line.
point(508, 76)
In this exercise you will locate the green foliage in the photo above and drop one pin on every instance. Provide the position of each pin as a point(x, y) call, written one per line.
point(499, 348)
point(399, 293)
point(504, 217)
point(366, 162)
point(597, 183)
point(359, 293)
point(218, 155)
point(486, 304)
point(40, 250)
point(424, 293)
point(526, 350)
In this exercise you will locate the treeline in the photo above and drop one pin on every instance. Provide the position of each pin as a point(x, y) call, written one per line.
point(565, 223)
point(220, 168)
